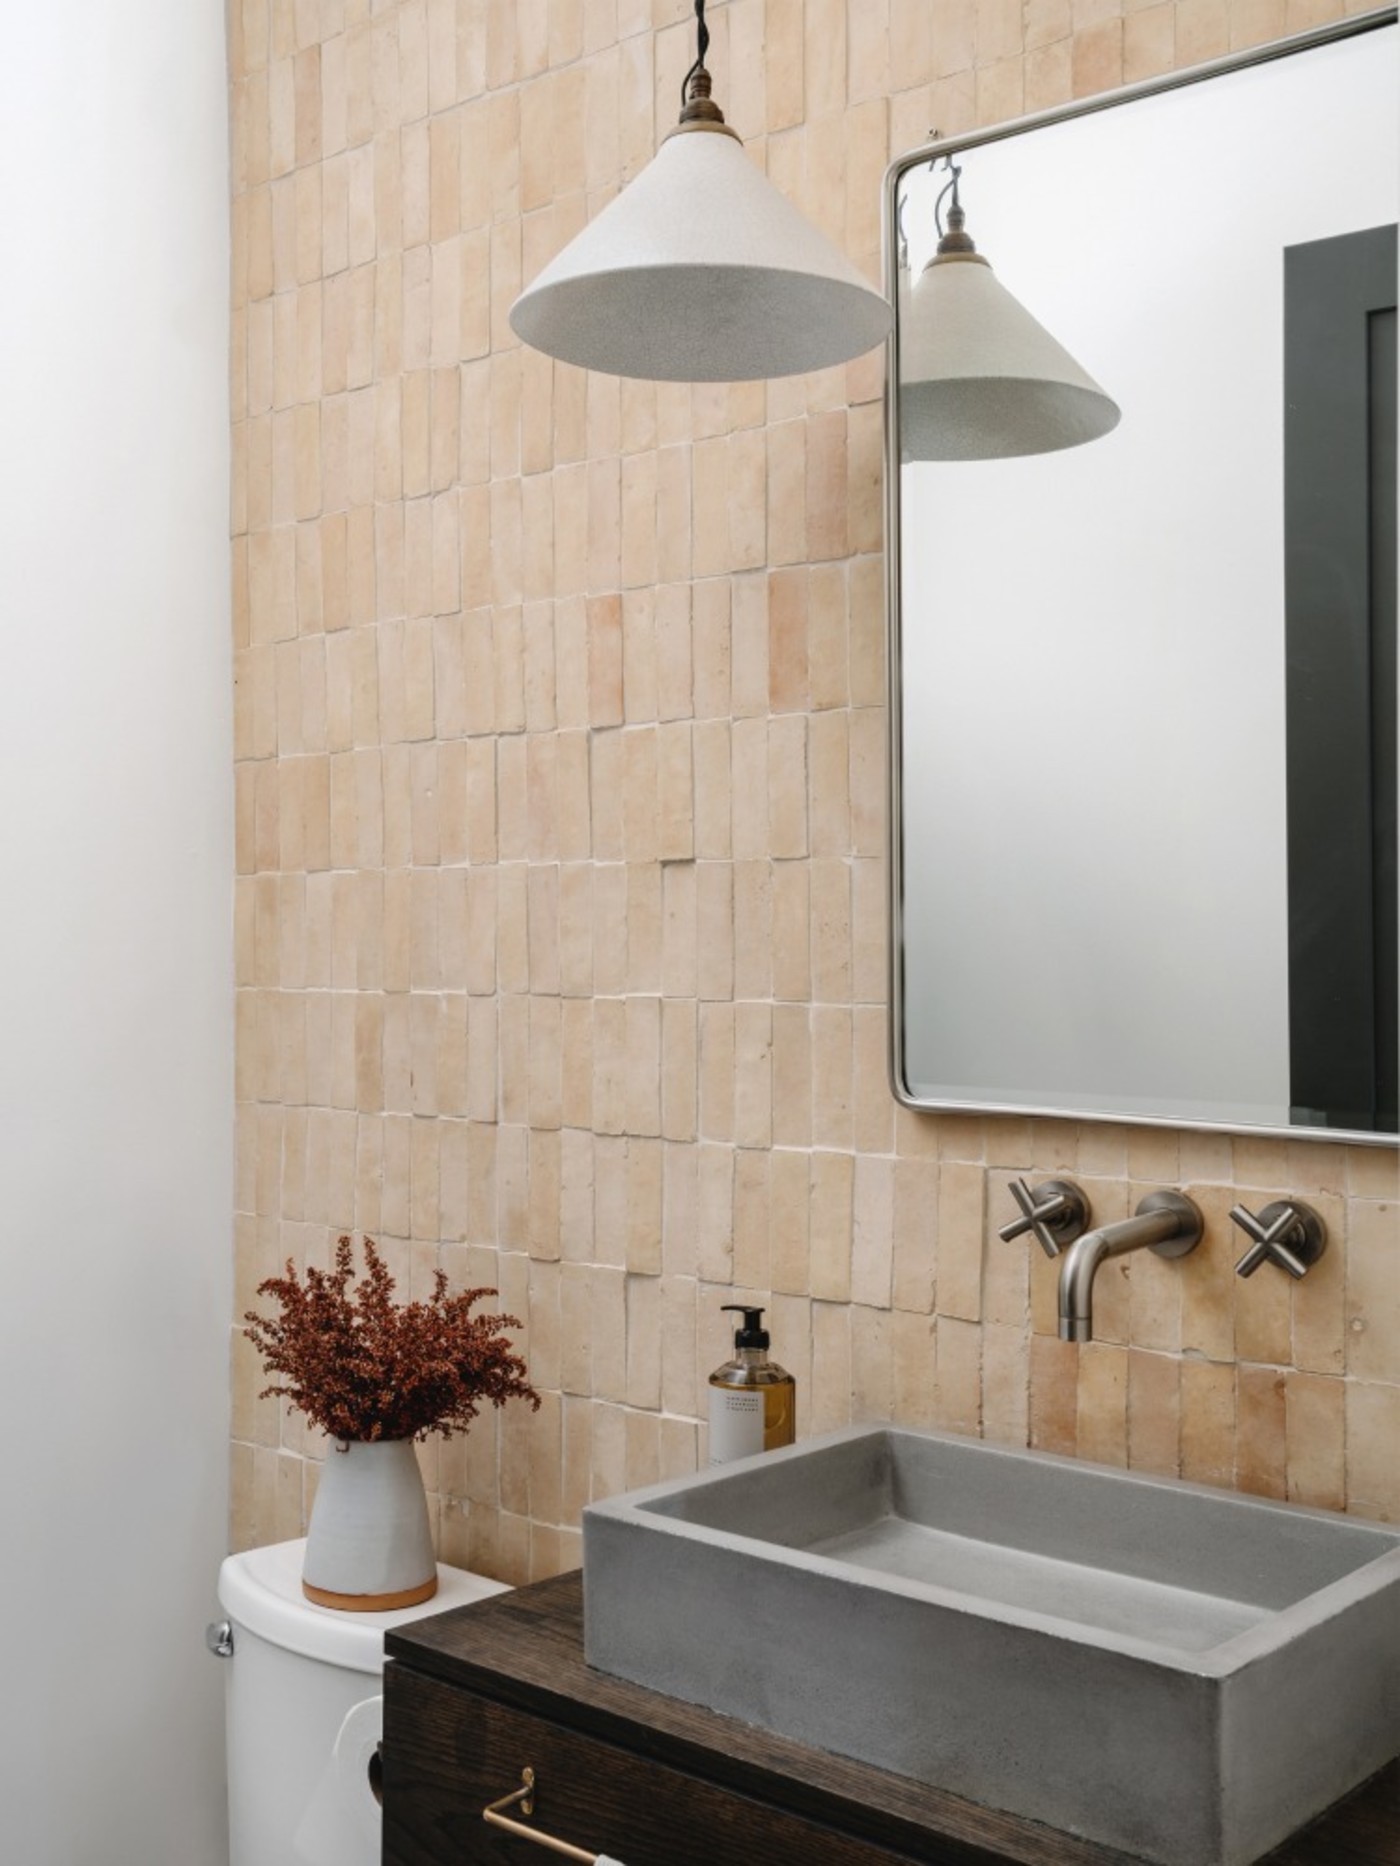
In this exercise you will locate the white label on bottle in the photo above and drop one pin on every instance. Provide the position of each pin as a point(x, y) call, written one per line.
point(736, 1423)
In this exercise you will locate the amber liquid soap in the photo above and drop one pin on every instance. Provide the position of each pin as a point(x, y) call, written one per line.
point(753, 1401)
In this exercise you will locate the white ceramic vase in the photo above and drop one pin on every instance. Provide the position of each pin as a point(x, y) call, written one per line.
point(369, 1547)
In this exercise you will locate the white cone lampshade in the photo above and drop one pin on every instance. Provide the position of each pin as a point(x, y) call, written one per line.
point(980, 378)
point(700, 271)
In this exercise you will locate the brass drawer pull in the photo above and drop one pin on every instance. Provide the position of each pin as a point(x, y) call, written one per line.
point(524, 1799)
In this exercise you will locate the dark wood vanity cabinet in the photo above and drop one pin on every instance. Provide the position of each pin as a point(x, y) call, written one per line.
point(473, 1697)
point(465, 1751)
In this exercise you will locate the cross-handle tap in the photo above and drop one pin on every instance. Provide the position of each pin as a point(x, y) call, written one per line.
point(1288, 1233)
point(1056, 1211)
point(1166, 1222)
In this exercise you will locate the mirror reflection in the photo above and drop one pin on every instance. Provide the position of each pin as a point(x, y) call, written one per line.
point(1146, 770)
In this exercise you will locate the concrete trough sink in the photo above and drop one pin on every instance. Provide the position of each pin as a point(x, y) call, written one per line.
point(1186, 1674)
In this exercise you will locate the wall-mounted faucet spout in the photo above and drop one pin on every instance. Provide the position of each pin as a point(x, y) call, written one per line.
point(1166, 1222)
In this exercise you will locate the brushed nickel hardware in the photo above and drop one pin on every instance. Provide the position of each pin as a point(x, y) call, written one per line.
point(1057, 1211)
point(524, 1799)
point(218, 1636)
point(1166, 1222)
point(1288, 1233)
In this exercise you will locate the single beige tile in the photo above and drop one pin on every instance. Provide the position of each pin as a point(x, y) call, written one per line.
point(872, 1233)
point(1373, 1432)
point(1315, 1437)
point(1006, 1267)
point(872, 1105)
point(1373, 1290)
point(828, 637)
point(865, 612)
point(790, 1218)
point(679, 1070)
point(872, 1384)
point(1149, 42)
point(753, 1075)
point(1261, 1440)
point(1154, 1412)
point(1320, 1334)
point(829, 1403)
point(1049, 75)
point(1054, 1395)
point(644, 1342)
point(787, 496)
point(868, 781)
point(914, 1362)
point(715, 1213)
point(830, 934)
point(787, 786)
point(1208, 1305)
point(865, 477)
point(915, 1235)
point(826, 491)
point(715, 929)
point(576, 1095)
point(792, 1076)
point(1096, 55)
point(958, 1376)
point(1103, 1150)
point(608, 1328)
point(753, 929)
point(1256, 22)
point(791, 932)
point(1005, 1384)
point(1302, 14)
point(1373, 1172)
point(1262, 1162)
point(1102, 1403)
point(746, 491)
point(1206, 1158)
point(1001, 94)
point(752, 1233)
point(749, 789)
point(832, 1076)
point(831, 1226)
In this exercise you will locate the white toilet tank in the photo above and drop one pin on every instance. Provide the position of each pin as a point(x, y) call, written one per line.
point(302, 1698)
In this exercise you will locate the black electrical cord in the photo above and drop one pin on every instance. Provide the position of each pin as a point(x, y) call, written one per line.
point(703, 40)
point(952, 185)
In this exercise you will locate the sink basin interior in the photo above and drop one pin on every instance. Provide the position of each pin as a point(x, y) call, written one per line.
point(1050, 1538)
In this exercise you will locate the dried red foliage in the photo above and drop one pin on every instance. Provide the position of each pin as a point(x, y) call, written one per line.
point(362, 1366)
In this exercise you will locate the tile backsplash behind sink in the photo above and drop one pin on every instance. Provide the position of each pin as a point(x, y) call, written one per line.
point(560, 782)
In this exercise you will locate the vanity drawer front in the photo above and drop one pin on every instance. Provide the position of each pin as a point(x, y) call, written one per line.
point(448, 1753)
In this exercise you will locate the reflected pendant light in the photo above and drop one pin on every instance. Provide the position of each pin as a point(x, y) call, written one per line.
point(979, 377)
point(700, 271)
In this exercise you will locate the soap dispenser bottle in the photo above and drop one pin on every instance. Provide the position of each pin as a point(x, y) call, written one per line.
point(753, 1401)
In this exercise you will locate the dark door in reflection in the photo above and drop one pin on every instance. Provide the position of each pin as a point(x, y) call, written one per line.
point(1340, 550)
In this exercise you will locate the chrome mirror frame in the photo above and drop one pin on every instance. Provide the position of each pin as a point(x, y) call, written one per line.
point(890, 246)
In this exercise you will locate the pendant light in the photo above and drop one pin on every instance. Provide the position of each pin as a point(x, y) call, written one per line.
point(700, 271)
point(979, 377)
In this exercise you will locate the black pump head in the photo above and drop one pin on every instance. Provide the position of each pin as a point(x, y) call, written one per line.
point(753, 1334)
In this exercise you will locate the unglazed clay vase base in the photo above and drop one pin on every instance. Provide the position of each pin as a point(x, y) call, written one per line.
point(369, 1547)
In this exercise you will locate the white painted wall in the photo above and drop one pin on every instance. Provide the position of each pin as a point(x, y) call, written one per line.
point(116, 1110)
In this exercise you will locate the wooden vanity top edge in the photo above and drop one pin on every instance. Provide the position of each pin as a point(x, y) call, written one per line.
point(525, 1649)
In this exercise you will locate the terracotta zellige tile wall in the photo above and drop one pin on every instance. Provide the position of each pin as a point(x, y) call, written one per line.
point(561, 799)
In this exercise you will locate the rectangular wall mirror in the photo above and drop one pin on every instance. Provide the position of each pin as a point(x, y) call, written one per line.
point(1143, 688)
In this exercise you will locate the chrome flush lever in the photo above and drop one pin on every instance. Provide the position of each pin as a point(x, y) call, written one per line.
point(1288, 1232)
point(1057, 1211)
